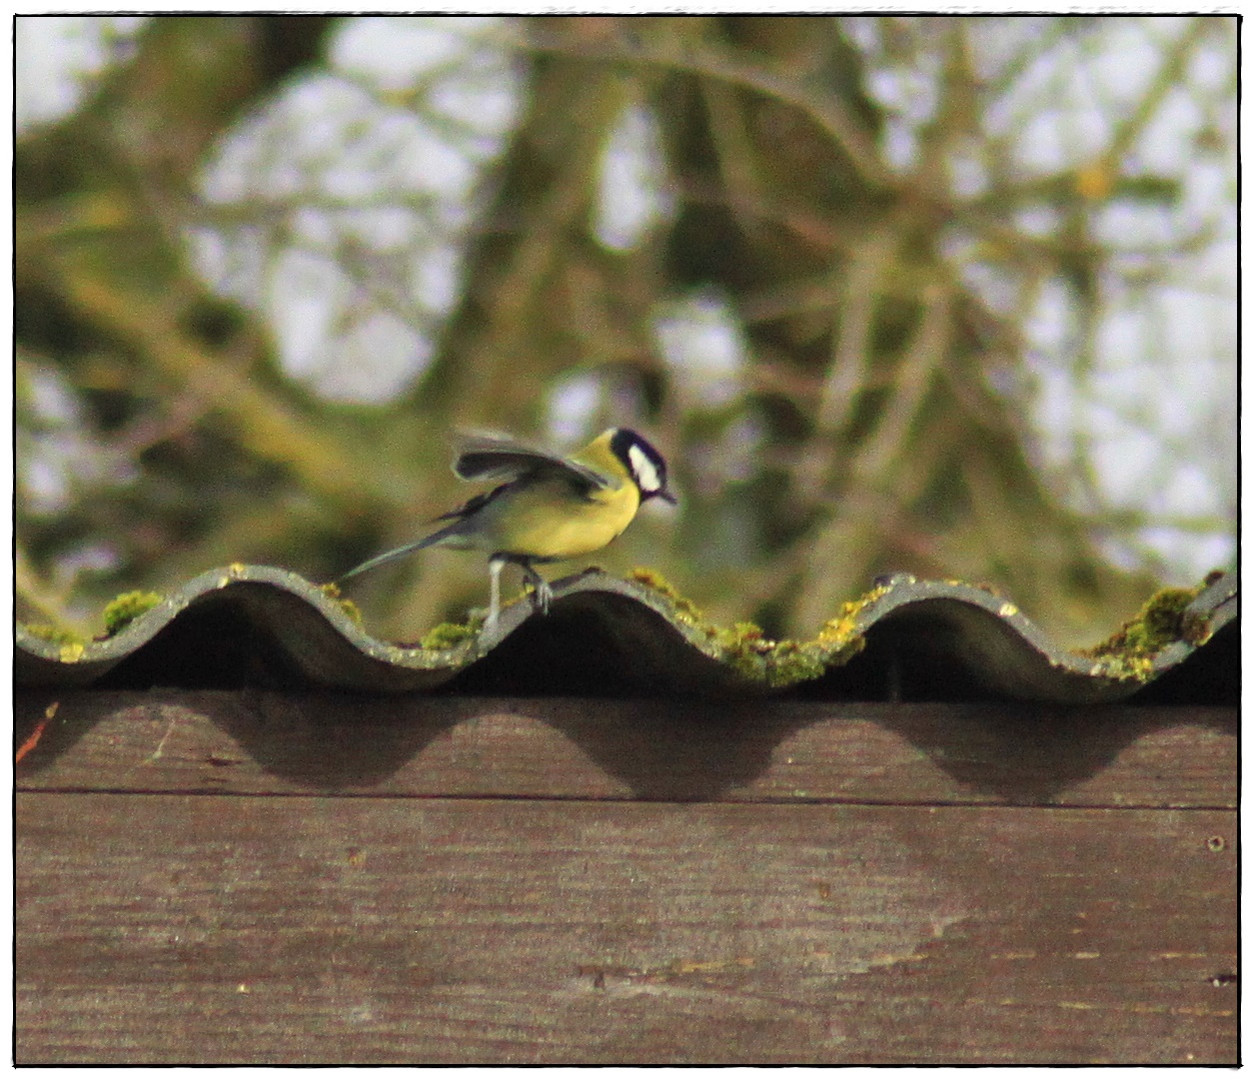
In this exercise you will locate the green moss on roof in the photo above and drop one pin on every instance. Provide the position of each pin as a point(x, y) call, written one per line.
point(745, 647)
point(1165, 631)
point(125, 608)
point(449, 635)
point(1129, 653)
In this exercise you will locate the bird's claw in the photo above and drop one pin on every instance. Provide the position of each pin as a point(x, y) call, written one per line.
point(541, 595)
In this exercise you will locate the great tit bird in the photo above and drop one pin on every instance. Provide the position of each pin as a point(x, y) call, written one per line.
point(547, 507)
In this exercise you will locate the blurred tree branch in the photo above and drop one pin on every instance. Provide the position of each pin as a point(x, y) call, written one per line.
point(102, 279)
point(878, 442)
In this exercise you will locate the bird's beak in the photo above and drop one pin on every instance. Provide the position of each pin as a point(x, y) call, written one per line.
point(667, 496)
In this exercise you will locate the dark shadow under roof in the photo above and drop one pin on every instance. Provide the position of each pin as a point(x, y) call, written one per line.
point(905, 640)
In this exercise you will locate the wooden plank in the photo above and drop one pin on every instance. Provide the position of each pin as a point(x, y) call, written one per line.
point(164, 928)
point(261, 743)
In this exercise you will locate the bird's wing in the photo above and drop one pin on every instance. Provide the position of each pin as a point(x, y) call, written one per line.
point(473, 505)
point(491, 457)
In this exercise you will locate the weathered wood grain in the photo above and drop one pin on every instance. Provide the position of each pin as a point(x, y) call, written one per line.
point(174, 928)
point(554, 880)
point(259, 743)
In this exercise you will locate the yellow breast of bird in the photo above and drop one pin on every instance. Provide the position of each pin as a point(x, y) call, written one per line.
point(546, 522)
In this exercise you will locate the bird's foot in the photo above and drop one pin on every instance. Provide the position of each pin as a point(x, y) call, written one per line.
point(541, 595)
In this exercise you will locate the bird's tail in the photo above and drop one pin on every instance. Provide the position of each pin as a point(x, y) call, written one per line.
point(401, 552)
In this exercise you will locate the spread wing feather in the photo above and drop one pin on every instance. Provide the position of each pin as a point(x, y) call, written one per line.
point(488, 457)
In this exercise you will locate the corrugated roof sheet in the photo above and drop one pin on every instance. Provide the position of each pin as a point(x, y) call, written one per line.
point(905, 640)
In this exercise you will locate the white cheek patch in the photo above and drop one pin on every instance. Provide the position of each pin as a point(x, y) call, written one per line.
point(644, 470)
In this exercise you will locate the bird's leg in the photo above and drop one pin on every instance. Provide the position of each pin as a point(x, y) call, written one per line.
point(542, 595)
point(495, 565)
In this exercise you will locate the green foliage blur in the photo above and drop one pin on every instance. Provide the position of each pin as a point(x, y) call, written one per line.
point(260, 284)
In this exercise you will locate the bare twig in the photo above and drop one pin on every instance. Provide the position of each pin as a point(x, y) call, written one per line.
point(722, 64)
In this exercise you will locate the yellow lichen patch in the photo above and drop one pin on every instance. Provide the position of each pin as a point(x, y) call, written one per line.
point(124, 609)
point(55, 635)
point(840, 631)
point(685, 610)
point(332, 592)
point(351, 610)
